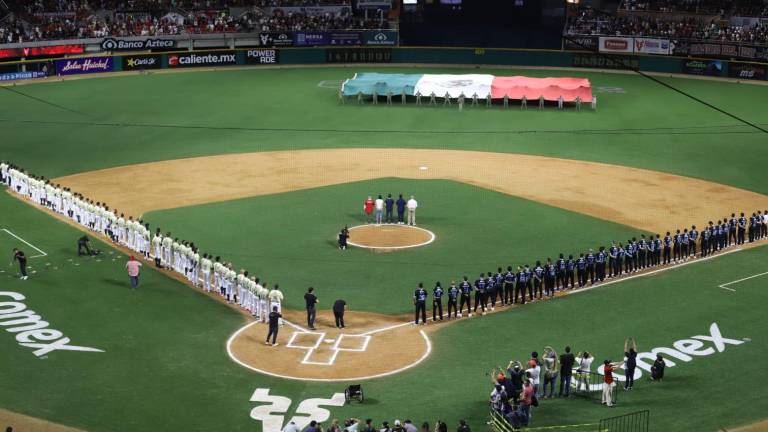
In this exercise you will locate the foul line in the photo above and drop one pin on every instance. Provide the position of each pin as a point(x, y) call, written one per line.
point(42, 254)
point(725, 285)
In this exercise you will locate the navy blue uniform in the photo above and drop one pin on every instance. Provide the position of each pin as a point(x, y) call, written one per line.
point(389, 205)
point(466, 297)
point(480, 287)
point(581, 270)
point(420, 301)
point(522, 284)
point(560, 282)
point(600, 265)
point(591, 267)
point(667, 249)
point(509, 287)
point(570, 264)
point(550, 275)
point(453, 294)
point(437, 303)
point(400, 210)
point(613, 255)
point(538, 280)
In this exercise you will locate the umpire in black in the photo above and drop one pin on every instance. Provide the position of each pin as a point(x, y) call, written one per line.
point(420, 301)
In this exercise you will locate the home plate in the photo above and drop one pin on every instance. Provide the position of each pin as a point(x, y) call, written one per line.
point(328, 341)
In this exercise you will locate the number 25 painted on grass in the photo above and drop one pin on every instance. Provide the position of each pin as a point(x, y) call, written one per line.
point(272, 415)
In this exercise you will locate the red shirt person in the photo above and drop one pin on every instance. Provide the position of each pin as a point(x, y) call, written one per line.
point(368, 207)
point(608, 384)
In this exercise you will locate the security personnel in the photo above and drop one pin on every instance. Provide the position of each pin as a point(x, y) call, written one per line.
point(437, 302)
point(693, 236)
point(667, 248)
point(453, 294)
point(550, 274)
point(420, 301)
point(538, 279)
point(561, 266)
point(590, 258)
point(509, 286)
point(480, 287)
point(466, 297)
point(581, 270)
point(522, 283)
point(600, 259)
point(570, 264)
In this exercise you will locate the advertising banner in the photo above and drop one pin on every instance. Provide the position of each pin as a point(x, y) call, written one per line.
point(141, 62)
point(201, 59)
point(717, 49)
point(747, 71)
point(616, 44)
point(652, 46)
point(380, 37)
point(344, 38)
point(308, 10)
point(14, 76)
point(262, 56)
point(358, 55)
point(580, 43)
point(84, 65)
point(277, 39)
point(374, 4)
point(703, 67)
point(310, 38)
point(605, 61)
point(112, 44)
point(41, 51)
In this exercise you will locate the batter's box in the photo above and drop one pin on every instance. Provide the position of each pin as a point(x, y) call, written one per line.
point(357, 343)
point(305, 340)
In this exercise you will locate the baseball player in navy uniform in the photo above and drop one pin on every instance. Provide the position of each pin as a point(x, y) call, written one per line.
point(538, 280)
point(613, 254)
point(600, 259)
point(499, 286)
point(667, 248)
point(466, 297)
point(480, 286)
point(657, 246)
point(550, 275)
point(705, 234)
point(437, 302)
point(581, 270)
point(642, 252)
point(684, 244)
point(676, 245)
point(560, 282)
point(522, 283)
point(491, 290)
point(693, 236)
point(732, 225)
point(509, 286)
point(629, 257)
point(620, 254)
point(753, 228)
point(650, 251)
point(453, 297)
point(420, 302)
point(590, 258)
point(570, 265)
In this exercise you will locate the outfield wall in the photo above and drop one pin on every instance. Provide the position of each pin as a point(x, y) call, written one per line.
point(372, 55)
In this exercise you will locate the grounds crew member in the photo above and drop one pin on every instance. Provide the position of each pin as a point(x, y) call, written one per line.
point(275, 320)
point(420, 301)
point(437, 302)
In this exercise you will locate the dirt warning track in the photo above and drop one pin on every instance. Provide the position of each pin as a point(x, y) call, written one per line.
point(644, 199)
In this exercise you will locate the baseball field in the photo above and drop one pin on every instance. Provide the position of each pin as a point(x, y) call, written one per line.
point(263, 167)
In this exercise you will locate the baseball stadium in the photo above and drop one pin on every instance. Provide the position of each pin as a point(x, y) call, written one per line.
point(383, 215)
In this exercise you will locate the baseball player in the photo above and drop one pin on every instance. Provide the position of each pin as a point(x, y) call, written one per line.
point(157, 246)
point(522, 283)
point(240, 283)
point(538, 279)
point(437, 302)
point(466, 297)
point(195, 258)
point(590, 259)
point(263, 300)
point(453, 294)
point(480, 286)
point(205, 267)
point(550, 276)
point(276, 300)
point(167, 250)
point(509, 286)
point(420, 303)
point(600, 259)
point(561, 281)
point(230, 277)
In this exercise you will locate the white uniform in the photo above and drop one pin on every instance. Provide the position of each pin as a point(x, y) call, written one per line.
point(276, 299)
point(230, 277)
point(195, 264)
point(167, 246)
point(240, 278)
point(157, 245)
point(205, 267)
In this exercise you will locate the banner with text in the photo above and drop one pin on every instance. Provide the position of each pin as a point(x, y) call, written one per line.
point(141, 62)
point(751, 71)
point(652, 46)
point(605, 61)
point(278, 39)
point(580, 43)
point(41, 51)
point(380, 37)
point(262, 56)
point(717, 49)
point(310, 38)
point(616, 44)
point(84, 65)
point(201, 59)
point(703, 67)
point(358, 55)
point(15, 76)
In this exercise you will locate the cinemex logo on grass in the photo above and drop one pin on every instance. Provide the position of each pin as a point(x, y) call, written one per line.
point(31, 331)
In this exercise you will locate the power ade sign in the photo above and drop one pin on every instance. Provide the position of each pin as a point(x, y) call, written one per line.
point(84, 65)
point(202, 59)
point(262, 56)
point(141, 62)
point(112, 44)
point(30, 330)
point(747, 71)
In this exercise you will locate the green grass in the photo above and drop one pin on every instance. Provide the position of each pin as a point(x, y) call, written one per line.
point(477, 231)
point(165, 366)
point(134, 119)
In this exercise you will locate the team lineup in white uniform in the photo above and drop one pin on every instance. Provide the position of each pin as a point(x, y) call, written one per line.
point(206, 272)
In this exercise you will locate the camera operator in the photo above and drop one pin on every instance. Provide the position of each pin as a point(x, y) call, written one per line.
point(84, 243)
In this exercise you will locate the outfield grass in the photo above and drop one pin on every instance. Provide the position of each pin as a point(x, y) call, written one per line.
point(290, 238)
point(164, 361)
point(134, 119)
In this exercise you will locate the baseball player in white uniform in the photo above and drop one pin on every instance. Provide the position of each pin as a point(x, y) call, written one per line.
point(205, 267)
point(157, 247)
point(276, 299)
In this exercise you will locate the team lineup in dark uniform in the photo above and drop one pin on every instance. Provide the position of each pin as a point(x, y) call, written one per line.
point(510, 286)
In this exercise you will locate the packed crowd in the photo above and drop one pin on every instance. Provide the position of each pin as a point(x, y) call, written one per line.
point(589, 21)
point(212, 274)
point(709, 7)
point(65, 19)
point(355, 425)
point(517, 389)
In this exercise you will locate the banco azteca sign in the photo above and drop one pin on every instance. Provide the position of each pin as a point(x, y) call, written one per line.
point(112, 44)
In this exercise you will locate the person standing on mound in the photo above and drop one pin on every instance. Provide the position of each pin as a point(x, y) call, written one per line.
point(274, 326)
point(389, 203)
point(368, 209)
point(412, 204)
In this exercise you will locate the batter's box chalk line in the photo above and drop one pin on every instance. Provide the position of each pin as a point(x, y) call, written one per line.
point(344, 342)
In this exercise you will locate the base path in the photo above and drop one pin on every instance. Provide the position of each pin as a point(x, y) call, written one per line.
point(389, 237)
point(643, 199)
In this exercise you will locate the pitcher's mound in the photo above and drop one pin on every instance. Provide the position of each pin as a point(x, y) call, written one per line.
point(388, 237)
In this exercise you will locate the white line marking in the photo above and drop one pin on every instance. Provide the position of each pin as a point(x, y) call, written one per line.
point(431, 237)
point(42, 254)
point(725, 285)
